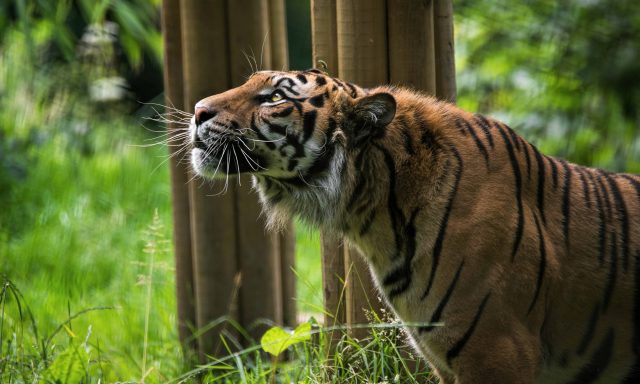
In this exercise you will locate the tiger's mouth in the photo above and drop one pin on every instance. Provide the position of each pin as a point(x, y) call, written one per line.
point(218, 151)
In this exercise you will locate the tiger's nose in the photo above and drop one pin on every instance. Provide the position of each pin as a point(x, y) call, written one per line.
point(203, 114)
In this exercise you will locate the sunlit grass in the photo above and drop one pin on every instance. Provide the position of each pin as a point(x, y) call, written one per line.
point(78, 244)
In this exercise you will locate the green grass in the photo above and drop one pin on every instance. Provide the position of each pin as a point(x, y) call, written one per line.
point(88, 287)
point(77, 243)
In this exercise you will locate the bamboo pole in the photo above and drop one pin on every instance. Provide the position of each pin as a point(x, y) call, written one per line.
point(411, 44)
point(214, 248)
point(174, 96)
point(286, 241)
point(362, 41)
point(324, 35)
point(444, 51)
point(325, 57)
point(262, 255)
point(333, 287)
point(362, 59)
point(278, 35)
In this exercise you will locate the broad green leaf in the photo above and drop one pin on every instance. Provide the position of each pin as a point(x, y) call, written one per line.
point(276, 340)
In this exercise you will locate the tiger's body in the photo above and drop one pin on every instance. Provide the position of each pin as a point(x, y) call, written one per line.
point(531, 263)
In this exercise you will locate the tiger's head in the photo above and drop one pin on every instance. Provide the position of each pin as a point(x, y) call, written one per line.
point(295, 132)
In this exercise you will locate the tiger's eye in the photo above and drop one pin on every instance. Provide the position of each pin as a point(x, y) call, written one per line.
point(276, 96)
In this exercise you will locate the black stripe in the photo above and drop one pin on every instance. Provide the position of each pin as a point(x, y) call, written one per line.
point(259, 134)
point(437, 314)
point(395, 213)
point(526, 157)
point(322, 162)
point(598, 363)
point(613, 272)
point(485, 125)
point(459, 345)
point(360, 184)
point(465, 124)
point(606, 198)
point(514, 137)
point(308, 124)
point(292, 164)
point(608, 218)
point(543, 264)
point(290, 89)
point(297, 104)
point(408, 140)
point(313, 70)
point(284, 113)
point(291, 83)
point(320, 80)
point(317, 101)
point(428, 138)
point(337, 81)
point(518, 183)
point(591, 327)
point(279, 129)
point(621, 208)
point(366, 224)
point(405, 270)
point(554, 170)
point(541, 173)
point(437, 247)
point(602, 225)
point(354, 92)
point(586, 191)
point(302, 78)
point(566, 201)
point(331, 129)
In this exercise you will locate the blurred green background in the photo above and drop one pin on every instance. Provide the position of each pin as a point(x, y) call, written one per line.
point(85, 220)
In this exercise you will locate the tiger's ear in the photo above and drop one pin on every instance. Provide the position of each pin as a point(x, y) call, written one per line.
point(372, 113)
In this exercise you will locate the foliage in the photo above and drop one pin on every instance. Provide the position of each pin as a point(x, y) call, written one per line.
point(276, 340)
point(563, 73)
point(60, 24)
point(322, 355)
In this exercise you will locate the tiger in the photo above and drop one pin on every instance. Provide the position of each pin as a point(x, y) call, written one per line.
point(518, 267)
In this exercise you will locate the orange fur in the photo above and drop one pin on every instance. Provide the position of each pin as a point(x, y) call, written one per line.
point(532, 263)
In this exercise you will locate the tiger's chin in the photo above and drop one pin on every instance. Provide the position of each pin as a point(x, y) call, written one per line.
point(214, 167)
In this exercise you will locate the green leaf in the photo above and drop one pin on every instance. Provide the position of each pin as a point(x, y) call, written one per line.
point(276, 340)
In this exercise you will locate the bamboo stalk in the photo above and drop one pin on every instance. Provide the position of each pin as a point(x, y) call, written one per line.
point(362, 58)
point(411, 44)
point(174, 96)
point(325, 57)
point(215, 266)
point(286, 240)
point(324, 35)
point(362, 41)
point(258, 251)
point(278, 35)
point(333, 287)
point(444, 51)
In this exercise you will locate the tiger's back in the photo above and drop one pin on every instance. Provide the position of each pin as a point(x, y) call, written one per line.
point(531, 263)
